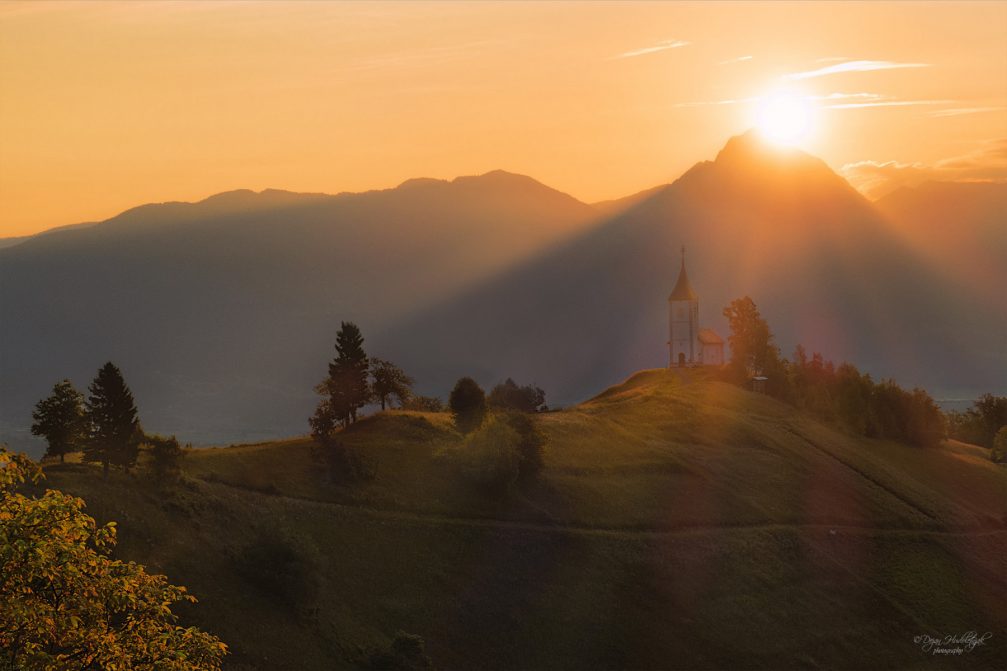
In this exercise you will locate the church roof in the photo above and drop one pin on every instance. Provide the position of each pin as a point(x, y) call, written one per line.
point(683, 290)
point(710, 337)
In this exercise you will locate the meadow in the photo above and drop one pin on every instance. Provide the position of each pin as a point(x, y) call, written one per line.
point(679, 522)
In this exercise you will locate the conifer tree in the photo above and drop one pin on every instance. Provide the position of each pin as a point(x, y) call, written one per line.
point(346, 385)
point(60, 419)
point(114, 432)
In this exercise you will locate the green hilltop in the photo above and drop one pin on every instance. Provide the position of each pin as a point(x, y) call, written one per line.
point(679, 522)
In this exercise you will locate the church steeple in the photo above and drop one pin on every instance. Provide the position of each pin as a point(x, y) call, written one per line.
point(683, 290)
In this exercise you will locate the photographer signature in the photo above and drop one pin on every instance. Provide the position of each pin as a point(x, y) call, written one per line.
point(952, 644)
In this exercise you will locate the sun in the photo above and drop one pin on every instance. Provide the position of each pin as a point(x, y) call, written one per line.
point(784, 118)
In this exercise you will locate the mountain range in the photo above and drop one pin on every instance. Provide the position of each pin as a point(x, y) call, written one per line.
point(222, 314)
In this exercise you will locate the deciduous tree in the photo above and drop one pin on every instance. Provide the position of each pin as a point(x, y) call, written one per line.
point(389, 381)
point(468, 404)
point(752, 348)
point(60, 420)
point(510, 396)
point(65, 604)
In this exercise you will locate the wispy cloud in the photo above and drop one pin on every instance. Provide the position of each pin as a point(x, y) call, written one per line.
point(887, 103)
point(958, 111)
point(853, 66)
point(660, 46)
point(739, 59)
point(876, 179)
point(829, 97)
point(851, 96)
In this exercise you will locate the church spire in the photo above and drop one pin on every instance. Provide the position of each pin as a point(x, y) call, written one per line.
point(683, 290)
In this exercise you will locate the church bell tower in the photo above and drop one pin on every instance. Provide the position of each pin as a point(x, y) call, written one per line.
point(683, 320)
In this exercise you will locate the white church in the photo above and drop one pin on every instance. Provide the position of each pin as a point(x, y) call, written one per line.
point(689, 345)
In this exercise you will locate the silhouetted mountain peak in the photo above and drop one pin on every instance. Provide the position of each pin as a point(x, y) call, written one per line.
point(750, 151)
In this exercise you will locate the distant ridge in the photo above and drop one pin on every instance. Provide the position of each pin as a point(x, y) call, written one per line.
point(222, 313)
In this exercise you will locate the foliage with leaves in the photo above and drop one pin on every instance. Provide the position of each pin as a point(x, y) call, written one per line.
point(508, 395)
point(843, 394)
point(65, 604)
point(60, 420)
point(468, 404)
point(165, 457)
point(114, 432)
point(389, 381)
point(980, 423)
point(752, 348)
point(999, 451)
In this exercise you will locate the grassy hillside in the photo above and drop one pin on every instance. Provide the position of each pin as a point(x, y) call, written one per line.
point(679, 523)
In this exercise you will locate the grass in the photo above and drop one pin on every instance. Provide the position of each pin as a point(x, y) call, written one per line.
point(679, 523)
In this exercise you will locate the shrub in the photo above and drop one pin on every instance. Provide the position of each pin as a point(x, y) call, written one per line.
point(468, 404)
point(490, 455)
point(340, 463)
point(999, 451)
point(281, 568)
point(166, 455)
point(424, 404)
point(406, 653)
point(529, 446)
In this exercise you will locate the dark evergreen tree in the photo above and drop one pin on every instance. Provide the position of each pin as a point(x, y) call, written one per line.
point(60, 420)
point(468, 404)
point(113, 430)
point(347, 382)
point(390, 381)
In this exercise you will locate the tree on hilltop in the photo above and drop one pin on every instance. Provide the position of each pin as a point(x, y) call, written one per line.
point(752, 348)
point(113, 429)
point(390, 381)
point(347, 381)
point(345, 390)
point(510, 396)
point(468, 404)
point(166, 456)
point(60, 420)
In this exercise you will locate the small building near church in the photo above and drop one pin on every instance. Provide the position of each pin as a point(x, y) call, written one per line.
point(688, 344)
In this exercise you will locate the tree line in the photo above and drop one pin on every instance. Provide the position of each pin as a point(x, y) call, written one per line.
point(502, 445)
point(985, 423)
point(833, 393)
point(104, 427)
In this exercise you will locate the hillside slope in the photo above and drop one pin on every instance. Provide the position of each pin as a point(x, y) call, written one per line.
point(679, 523)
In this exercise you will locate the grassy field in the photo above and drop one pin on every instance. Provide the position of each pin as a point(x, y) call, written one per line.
point(679, 523)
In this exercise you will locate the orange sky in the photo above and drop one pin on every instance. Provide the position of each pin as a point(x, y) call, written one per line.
point(106, 106)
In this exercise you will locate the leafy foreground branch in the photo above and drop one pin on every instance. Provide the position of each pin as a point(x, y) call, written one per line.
point(65, 604)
